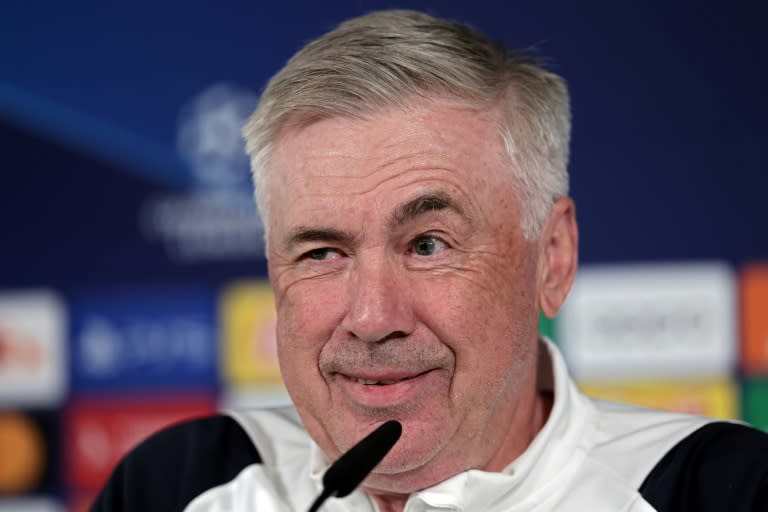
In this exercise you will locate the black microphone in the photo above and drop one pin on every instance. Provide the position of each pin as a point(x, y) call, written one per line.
point(352, 467)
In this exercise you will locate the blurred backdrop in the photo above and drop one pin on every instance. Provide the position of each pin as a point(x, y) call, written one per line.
point(132, 282)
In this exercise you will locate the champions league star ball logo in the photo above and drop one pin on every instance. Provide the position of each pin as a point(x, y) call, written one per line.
point(209, 138)
point(216, 220)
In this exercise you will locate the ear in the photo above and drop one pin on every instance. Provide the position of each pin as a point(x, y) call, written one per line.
point(558, 255)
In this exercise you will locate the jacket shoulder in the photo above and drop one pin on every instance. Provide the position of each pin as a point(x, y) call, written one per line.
point(720, 466)
point(172, 467)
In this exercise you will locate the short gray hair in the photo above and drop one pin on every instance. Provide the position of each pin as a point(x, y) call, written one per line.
point(386, 58)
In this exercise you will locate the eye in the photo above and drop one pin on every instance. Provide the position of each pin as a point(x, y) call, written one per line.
point(321, 254)
point(427, 245)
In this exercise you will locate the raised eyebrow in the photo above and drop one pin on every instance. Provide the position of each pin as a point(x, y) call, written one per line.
point(425, 203)
point(304, 234)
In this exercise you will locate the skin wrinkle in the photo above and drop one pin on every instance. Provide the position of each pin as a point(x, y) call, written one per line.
point(419, 206)
point(344, 179)
point(427, 150)
point(466, 314)
point(463, 271)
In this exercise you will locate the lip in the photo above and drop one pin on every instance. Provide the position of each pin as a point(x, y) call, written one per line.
point(381, 378)
point(391, 388)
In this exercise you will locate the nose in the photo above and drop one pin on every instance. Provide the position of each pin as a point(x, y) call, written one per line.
point(380, 305)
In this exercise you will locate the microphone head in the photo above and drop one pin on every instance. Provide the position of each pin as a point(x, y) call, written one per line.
point(353, 466)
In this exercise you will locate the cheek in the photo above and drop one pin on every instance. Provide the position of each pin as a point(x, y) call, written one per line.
point(484, 298)
point(487, 316)
point(306, 318)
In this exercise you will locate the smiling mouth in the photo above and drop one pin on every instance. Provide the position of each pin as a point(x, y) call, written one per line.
point(369, 382)
point(382, 390)
point(381, 382)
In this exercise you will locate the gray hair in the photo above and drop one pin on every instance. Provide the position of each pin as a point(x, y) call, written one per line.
point(387, 58)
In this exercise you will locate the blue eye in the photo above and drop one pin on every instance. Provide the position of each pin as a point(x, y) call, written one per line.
point(427, 245)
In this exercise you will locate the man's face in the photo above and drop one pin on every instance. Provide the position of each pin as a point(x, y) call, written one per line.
point(405, 289)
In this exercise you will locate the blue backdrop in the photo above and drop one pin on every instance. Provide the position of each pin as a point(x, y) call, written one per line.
point(669, 102)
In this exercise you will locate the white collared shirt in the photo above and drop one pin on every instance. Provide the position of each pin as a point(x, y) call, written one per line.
point(589, 456)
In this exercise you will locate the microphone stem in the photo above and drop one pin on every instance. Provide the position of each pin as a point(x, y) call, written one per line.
point(320, 499)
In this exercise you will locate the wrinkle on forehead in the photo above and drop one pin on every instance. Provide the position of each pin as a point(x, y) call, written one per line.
point(414, 127)
point(365, 186)
point(355, 158)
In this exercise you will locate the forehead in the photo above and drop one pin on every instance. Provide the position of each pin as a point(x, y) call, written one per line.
point(418, 125)
point(388, 155)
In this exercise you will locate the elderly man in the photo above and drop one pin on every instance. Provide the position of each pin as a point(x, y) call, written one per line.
point(412, 178)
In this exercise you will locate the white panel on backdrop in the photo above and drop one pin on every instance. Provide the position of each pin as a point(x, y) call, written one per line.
point(29, 505)
point(253, 397)
point(32, 349)
point(650, 320)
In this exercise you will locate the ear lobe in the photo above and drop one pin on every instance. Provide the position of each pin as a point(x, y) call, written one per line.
point(559, 254)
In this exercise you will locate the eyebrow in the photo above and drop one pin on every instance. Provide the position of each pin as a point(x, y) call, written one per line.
point(406, 212)
point(303, 234)
point(425, 203)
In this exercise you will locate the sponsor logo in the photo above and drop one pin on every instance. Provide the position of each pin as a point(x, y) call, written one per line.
point(23, 450)
point(217, 221)
point(717, 399)
point(754, 319)
point(210, 139)
point(100, 433)
point(755, 403)
point(144, 339)
point(32, 349)
point(650, 321)
point(248, 335)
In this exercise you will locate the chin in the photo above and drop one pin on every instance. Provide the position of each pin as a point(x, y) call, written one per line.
point(415, 460)
point(406, 474)
point(402, 459)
